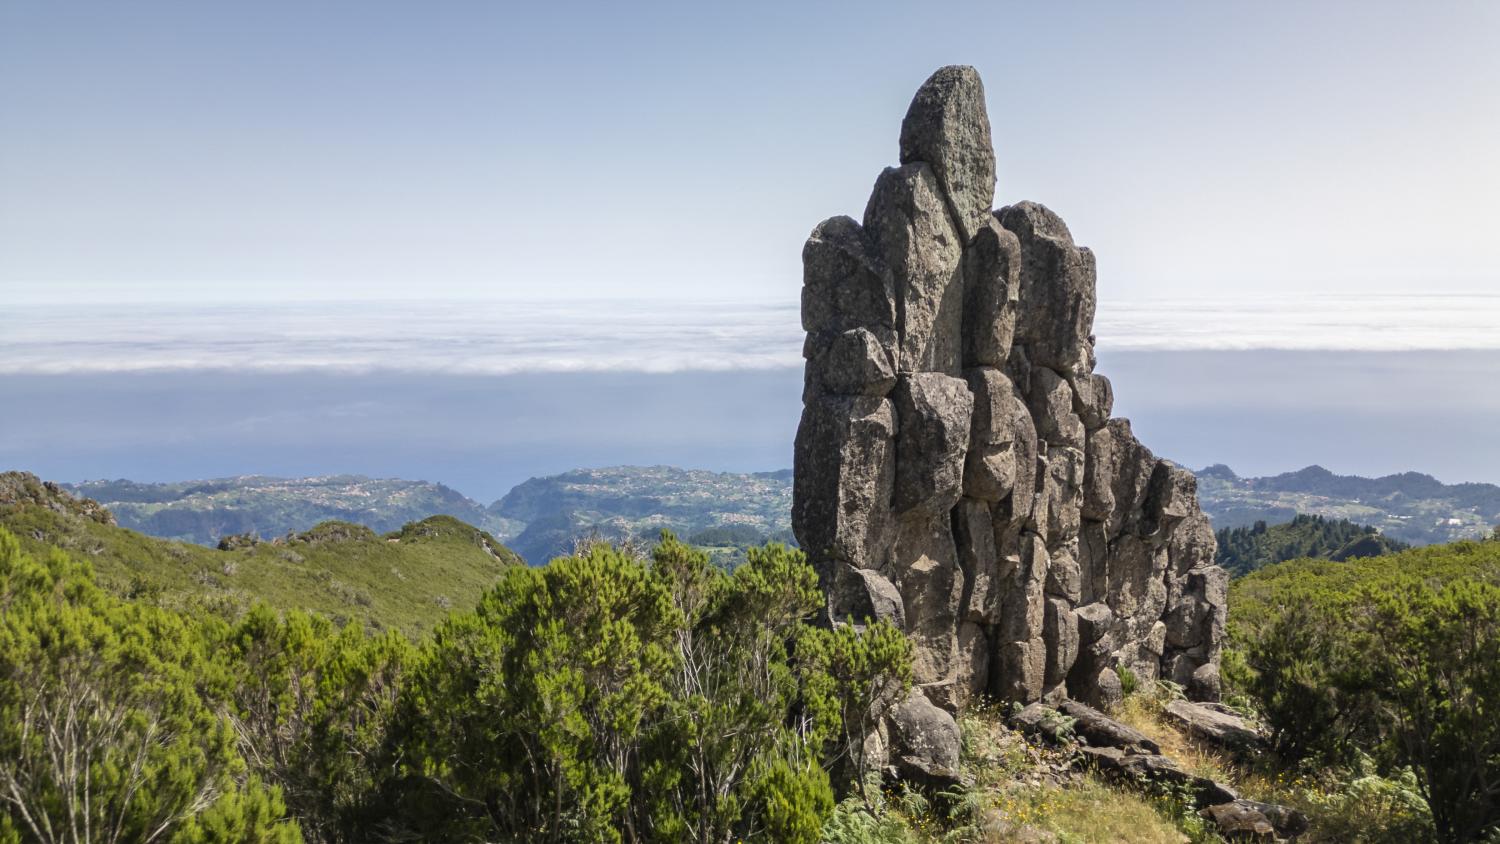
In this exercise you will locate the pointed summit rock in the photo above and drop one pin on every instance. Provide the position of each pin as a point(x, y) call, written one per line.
point(947, 127)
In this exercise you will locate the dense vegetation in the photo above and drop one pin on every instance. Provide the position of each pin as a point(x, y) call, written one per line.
point(602, 697)
point(1388, 665)
point(615, 696)
point(1245, 549)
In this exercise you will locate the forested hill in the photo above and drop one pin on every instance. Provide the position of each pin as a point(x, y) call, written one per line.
point(405, 579)
point(1245, 549)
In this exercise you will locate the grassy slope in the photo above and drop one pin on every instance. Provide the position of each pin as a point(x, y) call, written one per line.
point(405, 580)
point(1017, 792)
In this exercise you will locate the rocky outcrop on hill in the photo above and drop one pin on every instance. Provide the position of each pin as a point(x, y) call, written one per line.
point(23, 488)
point(1114, 750)
point(957, 468)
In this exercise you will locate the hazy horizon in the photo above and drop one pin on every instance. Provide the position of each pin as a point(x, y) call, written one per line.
point(1260, 412)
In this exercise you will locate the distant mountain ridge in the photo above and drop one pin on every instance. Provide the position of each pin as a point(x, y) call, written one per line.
point(542, 517)
point(539, 518)
point(1410, 506)
point(203, 511)
point(638, 502)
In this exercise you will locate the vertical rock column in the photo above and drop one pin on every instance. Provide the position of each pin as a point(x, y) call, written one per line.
point(957, 471)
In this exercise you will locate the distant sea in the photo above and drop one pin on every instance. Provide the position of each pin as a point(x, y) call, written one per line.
point(483, 395)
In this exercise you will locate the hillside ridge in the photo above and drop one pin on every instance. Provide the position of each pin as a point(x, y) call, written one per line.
point(543, 515)
point(405, 579)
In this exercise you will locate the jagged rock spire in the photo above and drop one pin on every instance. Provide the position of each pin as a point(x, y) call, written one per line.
point(957, 470)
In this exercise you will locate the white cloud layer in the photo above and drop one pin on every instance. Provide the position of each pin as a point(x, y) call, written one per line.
point(500, 338)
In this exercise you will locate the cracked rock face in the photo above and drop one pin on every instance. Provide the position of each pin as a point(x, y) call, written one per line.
point(957, 469)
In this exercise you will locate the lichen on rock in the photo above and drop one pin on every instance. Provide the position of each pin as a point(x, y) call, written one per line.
point(957, 469)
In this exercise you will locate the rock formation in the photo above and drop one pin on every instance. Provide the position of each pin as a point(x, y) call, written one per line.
point(957, 469)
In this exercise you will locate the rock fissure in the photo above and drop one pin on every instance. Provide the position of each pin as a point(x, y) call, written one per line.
point(957, 468)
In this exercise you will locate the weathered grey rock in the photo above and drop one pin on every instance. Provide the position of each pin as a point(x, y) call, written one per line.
point(1205, 683)
point(842, 284)
point(948, 127)
point(861, 595)
point(1093, 679)
point(1042, 721)
point(1056, 315)
point(1022, 607)
point(1052, 406)
point(1099, 687)
point(1240, 821)
point(1094, 622)
point(1001, 458)
point(919, 247)
point(1062, 493)
point(1028, 544)
point(924, 561)
point(1128, 466)
point(1152, 768)
point(1196, 619)
point(1019, 670)
point(974, 658)
point(858, 363)
point(1191, 543)
point(1060, 632)
point(1171, 496)
point(1093, 560)
point(1289, 822)
point(1228, 731)
point(974, 534)
point(992, 289)
point(844, 472)
point(1099, 730)
point(1064, 577)
point(1093, 398)
point(925, 743)
point(1101, 463)
point(1137, 593)
point(931, 443)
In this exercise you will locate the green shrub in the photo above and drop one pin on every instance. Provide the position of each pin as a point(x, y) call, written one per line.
point(598, 698)
point(1391, 657)
point(603, 696)
point(106, 732)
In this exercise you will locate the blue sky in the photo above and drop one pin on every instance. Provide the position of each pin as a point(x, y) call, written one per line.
point(1315, 178)
point(282, 151)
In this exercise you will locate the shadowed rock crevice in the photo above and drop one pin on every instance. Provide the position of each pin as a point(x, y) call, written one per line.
point(957, 468)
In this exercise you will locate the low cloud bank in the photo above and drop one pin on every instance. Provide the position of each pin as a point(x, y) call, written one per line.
point(505, 338)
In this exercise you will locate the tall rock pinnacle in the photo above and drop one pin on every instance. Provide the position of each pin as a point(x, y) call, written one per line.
point(957, 468)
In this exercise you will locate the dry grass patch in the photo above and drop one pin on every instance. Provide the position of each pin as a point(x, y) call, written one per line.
point(1084, 811)
point(1143, 711)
